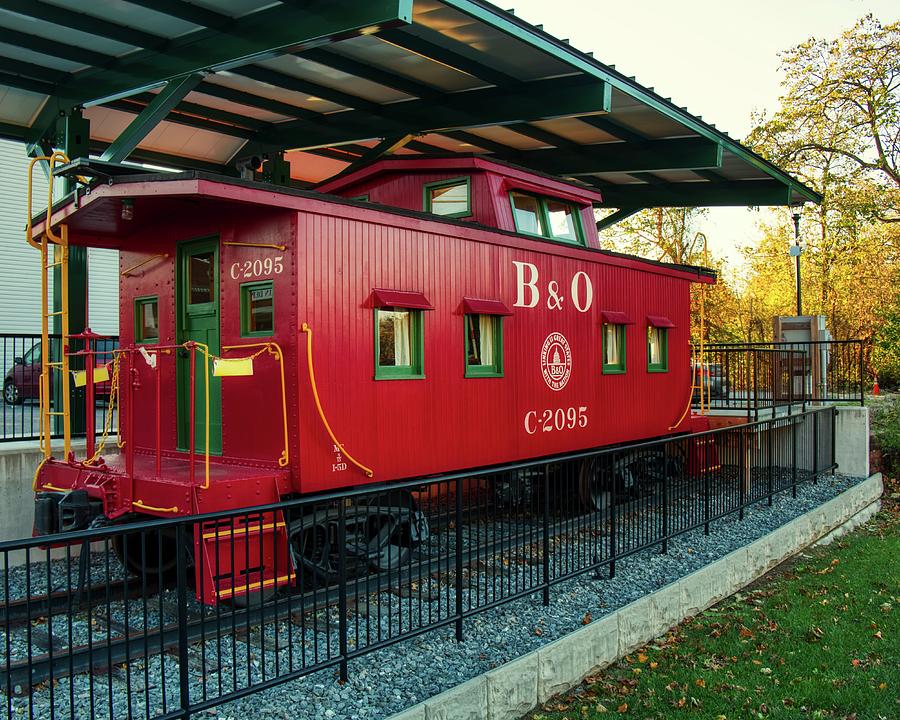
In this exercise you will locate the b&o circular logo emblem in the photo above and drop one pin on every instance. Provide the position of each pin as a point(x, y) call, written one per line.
point(556, 361)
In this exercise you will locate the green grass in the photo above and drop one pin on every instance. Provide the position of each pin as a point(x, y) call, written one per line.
point(819, 638)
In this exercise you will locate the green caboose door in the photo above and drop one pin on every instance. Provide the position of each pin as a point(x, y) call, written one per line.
point(197, 308)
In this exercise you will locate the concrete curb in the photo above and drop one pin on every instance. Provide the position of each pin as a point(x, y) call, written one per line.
point(513, 689)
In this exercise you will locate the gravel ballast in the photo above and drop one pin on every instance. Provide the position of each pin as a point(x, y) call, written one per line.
point(387, 681)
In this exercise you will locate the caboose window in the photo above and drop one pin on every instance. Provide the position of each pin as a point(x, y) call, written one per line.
point(484, 346)
point(146, 320)
point(257, 309)
point(657, 349)
point(613, 349)
point(547, 217)
point(202, 280)
point(398, 343)
point(527, 213)
point(450, 198)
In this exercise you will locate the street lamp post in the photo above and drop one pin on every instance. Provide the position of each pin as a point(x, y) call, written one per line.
point(795, 251)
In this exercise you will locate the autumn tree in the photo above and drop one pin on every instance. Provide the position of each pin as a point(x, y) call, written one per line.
point(663, 234)
point(838, 126)
point(838, 129)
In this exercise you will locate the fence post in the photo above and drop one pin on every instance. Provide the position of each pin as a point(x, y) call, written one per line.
point(833, 439)
point(815, 424)
point(756, 386)
point(612, 526)
point(770, 480)
point(342, 588)
point(706, 488)
point(181, 591)
point(794, 457)
point(744, 473)
point(862, 387)
point(459, 562)
point(665, 514)
point(546, 534)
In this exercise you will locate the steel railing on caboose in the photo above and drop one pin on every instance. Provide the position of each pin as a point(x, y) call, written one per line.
point(364, 569)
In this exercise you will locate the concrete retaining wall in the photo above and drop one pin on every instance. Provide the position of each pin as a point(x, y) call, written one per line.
point(510, 691)
point(851, 441)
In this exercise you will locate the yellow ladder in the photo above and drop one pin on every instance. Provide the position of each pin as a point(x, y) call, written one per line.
point(60, 258)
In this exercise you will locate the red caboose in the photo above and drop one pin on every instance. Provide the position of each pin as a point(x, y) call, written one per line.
point(412, 318)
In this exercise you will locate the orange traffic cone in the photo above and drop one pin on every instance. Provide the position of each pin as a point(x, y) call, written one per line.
point(875, 388)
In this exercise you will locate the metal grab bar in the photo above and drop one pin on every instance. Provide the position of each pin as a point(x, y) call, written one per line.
point(312, 382)
point(278, 353)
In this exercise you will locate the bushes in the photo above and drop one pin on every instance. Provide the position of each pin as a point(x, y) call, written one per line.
point(886, 433)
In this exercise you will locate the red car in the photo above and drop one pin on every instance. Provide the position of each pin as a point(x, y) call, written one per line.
point(22, 382)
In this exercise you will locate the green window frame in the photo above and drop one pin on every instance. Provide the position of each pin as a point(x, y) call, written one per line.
point(543, 217)
point(662, 335)
point(414, 369)
point(428, 196)
point(480, 369)
point(614, 366)
point(246, 290)
point(140, 305)
point(360, 198)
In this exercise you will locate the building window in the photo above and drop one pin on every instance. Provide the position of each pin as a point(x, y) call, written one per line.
point(548, 217)
point(146, 320)
point(398, 343)
point(450, 198)
point(484, 346)
point(257, 309)
point(657, 349)
point(613, 349)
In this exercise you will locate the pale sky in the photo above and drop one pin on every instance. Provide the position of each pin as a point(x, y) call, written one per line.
point(717, 58)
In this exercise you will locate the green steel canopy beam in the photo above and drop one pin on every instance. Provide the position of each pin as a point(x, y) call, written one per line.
point(616, 217)
point(83, 22)
point(653, 155)
point(698, 194)
point(267, 33)
point(509, 24)
point(573, 160)
point(536, 100)
point(432, 50)
point(143, 124)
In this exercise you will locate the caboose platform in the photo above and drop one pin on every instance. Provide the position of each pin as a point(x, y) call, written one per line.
point(167, 486)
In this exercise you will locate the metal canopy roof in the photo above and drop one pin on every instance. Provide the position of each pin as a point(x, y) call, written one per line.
point(338, 83)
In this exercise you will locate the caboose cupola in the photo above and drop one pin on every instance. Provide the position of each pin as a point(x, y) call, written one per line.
point(477, 190)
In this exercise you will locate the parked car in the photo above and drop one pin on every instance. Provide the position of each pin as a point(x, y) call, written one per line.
point(715, 383)
point(22, 381)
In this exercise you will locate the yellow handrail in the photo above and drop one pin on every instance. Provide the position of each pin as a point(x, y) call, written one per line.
point(128, 271)
point(312, 381)
point(253, 244)
point(141, 506)
point(279, 356)
point(205, 350)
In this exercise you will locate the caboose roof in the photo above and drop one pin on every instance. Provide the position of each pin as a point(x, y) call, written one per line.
point(96, 219)
point(191, 85)
point(452, 163)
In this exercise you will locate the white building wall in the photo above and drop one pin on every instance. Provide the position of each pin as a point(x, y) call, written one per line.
point(20, 274)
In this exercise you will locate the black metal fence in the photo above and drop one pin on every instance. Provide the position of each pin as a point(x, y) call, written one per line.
point(20, 367)
point(317, 582)
point(758, 378)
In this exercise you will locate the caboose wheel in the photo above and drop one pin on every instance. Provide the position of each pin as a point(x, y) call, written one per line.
point(595, 485)
point(377, 536)
point(152, 554)
point(313, 545)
